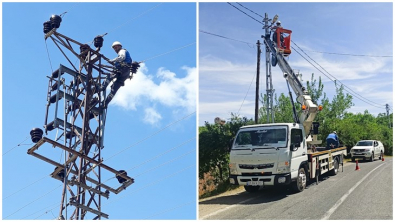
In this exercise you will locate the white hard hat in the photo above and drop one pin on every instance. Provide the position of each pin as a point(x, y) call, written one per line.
point(278, 22)
point(116, 43)
point(334, 132)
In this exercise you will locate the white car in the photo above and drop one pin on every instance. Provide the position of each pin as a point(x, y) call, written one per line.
point(367, 149)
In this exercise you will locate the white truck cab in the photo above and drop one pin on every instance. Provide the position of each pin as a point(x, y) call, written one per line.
point(267, 154)
point(367, 149)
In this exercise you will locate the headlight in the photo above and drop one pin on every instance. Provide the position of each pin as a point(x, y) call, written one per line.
point(283, 169)
point(232, 168)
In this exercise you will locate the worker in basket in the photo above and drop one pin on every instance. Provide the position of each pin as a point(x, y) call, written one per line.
point(332, 141)
point(278, 25)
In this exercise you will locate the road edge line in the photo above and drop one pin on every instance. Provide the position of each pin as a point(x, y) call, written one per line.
point(226, 208)
point(344, 197)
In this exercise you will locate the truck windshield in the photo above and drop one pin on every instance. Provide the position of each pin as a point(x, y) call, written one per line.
point(263, 137)
point(364, 143)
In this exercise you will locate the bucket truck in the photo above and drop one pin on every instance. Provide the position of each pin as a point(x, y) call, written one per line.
point(276, 154)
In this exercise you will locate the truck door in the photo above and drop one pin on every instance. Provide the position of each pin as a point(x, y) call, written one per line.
point(376, 148)
point(298, 149)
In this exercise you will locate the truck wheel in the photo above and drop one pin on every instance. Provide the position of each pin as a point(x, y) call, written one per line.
point(335, 169)
point(300, 182)
point(381, 155)
point(251, 189)
point(372, 157)
point(353, 159)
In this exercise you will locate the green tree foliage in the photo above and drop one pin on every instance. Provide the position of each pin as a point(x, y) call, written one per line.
point(214, 138)
point(214, 146)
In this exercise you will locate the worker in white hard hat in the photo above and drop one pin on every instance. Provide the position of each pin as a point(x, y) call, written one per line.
point(122, 64)
point(332, 141)
point(278, 25)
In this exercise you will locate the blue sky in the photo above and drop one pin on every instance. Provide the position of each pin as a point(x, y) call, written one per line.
point(227, 68)
point(162, 159)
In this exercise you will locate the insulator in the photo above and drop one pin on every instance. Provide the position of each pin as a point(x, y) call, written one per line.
point(47, 26)
point(61, 173)
point(36, 134)
point(55, 20)
point(70, 135)
point(119, 178)
point(98, 41)
point(55, 74)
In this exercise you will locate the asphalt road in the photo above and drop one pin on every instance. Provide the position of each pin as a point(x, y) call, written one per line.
point(363, 194)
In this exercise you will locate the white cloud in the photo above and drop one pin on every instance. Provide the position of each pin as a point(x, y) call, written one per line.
point(151, 116)
point(164, 89)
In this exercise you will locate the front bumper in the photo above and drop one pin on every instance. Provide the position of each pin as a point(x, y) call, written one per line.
point(272, 180)
point(361, 154)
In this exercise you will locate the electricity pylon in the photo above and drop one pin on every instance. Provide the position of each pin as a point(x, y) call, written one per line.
point(75, 110)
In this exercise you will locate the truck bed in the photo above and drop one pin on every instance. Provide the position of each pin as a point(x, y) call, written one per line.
point(323, 150)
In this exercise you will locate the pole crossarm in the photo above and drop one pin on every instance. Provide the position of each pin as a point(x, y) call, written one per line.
point(32, 151)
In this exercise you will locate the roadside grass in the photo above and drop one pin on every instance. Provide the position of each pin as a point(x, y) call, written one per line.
point(209, 187)
point(348, 158)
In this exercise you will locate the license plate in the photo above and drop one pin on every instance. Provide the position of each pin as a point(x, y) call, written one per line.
point(255, 183)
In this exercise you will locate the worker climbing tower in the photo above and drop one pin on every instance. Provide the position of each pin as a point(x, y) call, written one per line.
point(76, 116)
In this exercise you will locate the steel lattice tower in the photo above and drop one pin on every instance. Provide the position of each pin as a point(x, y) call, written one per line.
point(75, 110)
point(269, 84)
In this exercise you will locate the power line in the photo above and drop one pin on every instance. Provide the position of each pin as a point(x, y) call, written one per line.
point(19, 144)
point(348, 54)
point(141, 14)
point(170, 161)
point(250, 10)
point(33, 201)
point(363, 99)
point(245, 13)
point(159, 155)
point(246, 94)
point(25, 187)
point(171, 209)
point(354, 94)
point(153, 183)
point(168, 52)
point(225, 37)
point(138, 142)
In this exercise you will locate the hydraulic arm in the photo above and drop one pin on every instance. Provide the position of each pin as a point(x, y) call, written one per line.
point(309, 109)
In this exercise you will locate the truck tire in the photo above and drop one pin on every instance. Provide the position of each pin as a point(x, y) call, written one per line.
point(372, 157)
point(353, 159)
point(251, 189)
point(381, 155)
point(300, 184)
point(335, 169)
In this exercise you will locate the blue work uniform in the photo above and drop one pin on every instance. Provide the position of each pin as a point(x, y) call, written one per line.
point(332, 139)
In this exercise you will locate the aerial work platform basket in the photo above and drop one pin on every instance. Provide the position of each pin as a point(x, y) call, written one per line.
point(282, 37)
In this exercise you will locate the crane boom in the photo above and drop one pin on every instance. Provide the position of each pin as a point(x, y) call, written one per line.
point(307, 115)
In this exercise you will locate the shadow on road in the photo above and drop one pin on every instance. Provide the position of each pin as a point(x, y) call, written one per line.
point(264, 195)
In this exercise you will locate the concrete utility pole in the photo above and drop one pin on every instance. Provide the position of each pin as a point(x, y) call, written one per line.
point(75, 110)
point(258, 44)
point(387, 108)
point(269, 84)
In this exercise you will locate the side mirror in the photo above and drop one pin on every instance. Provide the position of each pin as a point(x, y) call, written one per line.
point(230, 144)
point(295, 146)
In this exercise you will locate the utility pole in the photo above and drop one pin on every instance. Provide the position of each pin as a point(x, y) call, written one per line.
point(75, 110)
point(387, 108)
point(258, 44)
point(269, 84)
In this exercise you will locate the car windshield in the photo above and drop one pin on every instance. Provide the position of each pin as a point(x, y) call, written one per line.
point(364, 143)
point(274, 137)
